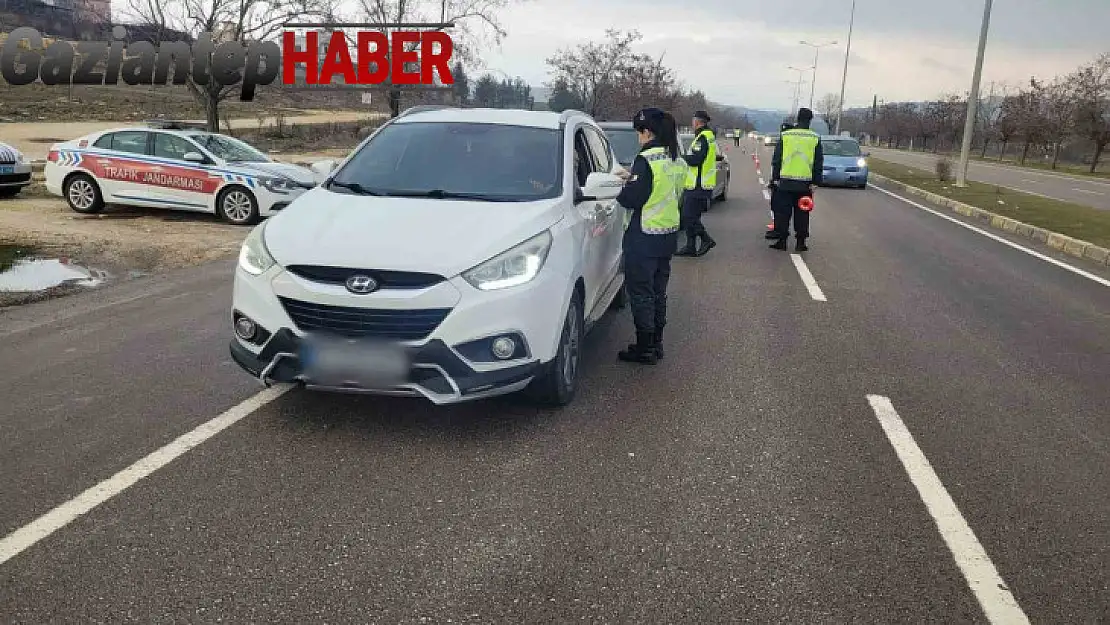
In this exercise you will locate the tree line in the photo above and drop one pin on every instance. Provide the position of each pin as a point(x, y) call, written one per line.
point(1065, 118)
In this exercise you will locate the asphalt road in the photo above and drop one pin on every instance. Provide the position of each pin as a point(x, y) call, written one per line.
point(1084, 191)
point(747, 478)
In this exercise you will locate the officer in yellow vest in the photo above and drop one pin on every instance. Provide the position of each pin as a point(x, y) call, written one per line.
point(795, 172)
point(701, 180)
point(652, 221)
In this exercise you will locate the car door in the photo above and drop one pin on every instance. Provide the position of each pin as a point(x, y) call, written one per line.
point(120, 164)
point(174, 182)
point(611, 215)
point(594, 218)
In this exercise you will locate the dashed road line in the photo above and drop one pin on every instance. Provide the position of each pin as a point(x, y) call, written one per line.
point(807, 278)
point(1087, 191)
point(989, 235)
point(990, 589)
point(25, 537)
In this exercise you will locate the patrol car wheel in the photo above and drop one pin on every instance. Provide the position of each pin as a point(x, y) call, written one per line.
point(82, 194)
point(724, 191)
point(9, 191)
point(236, 205)
point(558, 384)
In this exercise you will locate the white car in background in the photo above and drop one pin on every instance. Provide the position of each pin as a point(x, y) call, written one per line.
point(456, 254)
point(175, 168)
point(15, 170)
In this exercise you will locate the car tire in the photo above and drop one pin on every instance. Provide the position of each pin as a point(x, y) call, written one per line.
point(10, 191)
point(83, 194)
point(724, 191)
point(237, 206)
point(558, 384)
point(862, 186)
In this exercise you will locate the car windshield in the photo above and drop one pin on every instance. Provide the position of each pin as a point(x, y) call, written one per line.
point(457, 160)
point(626, 144)
point(836, 147)
point(228, 148)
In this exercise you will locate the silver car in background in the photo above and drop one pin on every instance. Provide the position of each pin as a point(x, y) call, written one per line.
point(15, 170)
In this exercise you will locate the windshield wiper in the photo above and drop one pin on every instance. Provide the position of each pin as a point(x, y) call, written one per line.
point(354, 187)
point(440, 194)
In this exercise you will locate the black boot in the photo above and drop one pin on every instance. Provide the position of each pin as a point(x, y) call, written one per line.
point(801, 245)
point(770, 235)
point(779, 245)
point(643, 352)
point(689, 249)
point(707, 244)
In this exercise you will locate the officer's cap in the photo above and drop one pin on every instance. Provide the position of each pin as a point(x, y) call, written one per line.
point(649, 118)
point(702, 115)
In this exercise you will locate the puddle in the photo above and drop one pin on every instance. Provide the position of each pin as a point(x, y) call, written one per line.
point(22, 271)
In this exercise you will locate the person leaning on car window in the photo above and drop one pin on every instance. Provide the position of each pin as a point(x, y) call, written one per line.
point(651, 225)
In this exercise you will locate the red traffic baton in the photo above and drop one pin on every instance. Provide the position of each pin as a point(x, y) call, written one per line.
point(805, 203)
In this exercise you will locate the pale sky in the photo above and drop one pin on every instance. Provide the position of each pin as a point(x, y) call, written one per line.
point(738, 51)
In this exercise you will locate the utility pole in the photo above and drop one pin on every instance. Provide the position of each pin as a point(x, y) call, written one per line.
point(797, 90)
point(844, 78)
point(973, 98)
point(816, 55)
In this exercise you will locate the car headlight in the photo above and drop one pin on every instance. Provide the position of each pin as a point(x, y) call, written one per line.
point(861, 162)
point(279, 185)
point(254, 258)
point(515, 267)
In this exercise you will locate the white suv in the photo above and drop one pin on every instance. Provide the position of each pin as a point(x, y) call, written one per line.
point(455, 254)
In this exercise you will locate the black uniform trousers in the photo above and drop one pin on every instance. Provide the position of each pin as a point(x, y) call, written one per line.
point(784, 204)
point(694, 204)
point(645, 278)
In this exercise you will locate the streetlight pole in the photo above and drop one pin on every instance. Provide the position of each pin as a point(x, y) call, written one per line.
point(973, 99)
point(844, 79)
point(797, 90)
point(816, 54)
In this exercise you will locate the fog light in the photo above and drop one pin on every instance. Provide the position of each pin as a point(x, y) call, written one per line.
point(503, 347)
point(245, 328)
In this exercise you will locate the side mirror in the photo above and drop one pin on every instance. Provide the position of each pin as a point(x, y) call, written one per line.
point(600, 186)
point(194, 157)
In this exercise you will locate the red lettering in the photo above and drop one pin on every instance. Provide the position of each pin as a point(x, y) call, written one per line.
point(378, 57)
point(404, 53)
point(337, 58)
point(291, 57)
point(438, 60)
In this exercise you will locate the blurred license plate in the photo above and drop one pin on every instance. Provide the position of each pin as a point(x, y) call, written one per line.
point(363, 362)
point(7, 169)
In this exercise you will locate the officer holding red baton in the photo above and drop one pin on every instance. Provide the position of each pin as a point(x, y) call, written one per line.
point(795, 172)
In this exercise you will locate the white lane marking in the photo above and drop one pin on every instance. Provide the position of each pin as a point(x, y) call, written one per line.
point(994, 595)
point(1087, 191)
point(26, 536)
point(767, 195)
point(1030, 181)
point(1034, 253)
point(761, 183)
point(807, 278)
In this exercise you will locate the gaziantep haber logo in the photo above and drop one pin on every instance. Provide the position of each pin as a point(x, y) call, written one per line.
point(358, 57)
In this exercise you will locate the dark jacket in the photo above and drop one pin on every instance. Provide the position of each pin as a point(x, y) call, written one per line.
point(633, 197)
point(698, 153)
point(795, 186)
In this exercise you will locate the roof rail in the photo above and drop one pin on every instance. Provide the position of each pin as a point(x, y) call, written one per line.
point(425, 107)
point(568, 113)
point(172, 124)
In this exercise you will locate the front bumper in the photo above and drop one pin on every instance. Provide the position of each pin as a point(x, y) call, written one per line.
point(438, 374)
point(19, 176)
point(844, 178)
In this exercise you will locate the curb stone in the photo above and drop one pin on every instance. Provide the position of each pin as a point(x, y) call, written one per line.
point(1055, 240)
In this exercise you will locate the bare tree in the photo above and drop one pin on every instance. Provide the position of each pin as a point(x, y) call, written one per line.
point(1008, 124)
point(987, 114)
point(591, 72)
point(827, 106)
point(1092, 94)
point(1057, 112)
point(1028, 113)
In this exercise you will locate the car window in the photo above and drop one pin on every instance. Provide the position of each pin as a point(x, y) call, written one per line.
point(626, 144)
point(488, 161)
point(171, 146)
point(599, 147)
point(132, 141)
point(228, 148)
point(840, 147)
point(583, 163)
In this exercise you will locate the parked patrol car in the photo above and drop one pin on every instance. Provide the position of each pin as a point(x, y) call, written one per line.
point(15, 170)
point(172, 166)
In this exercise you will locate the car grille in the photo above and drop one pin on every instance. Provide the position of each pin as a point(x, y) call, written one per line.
point(385, 279)
point(386, 323)
point(9, 178)
point(851, 170)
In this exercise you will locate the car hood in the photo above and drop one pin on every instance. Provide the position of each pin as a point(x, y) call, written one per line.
point(286, 170)
point(842, 161)
point(444, 237)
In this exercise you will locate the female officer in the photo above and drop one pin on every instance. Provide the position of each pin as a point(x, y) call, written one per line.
point(650, 200)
